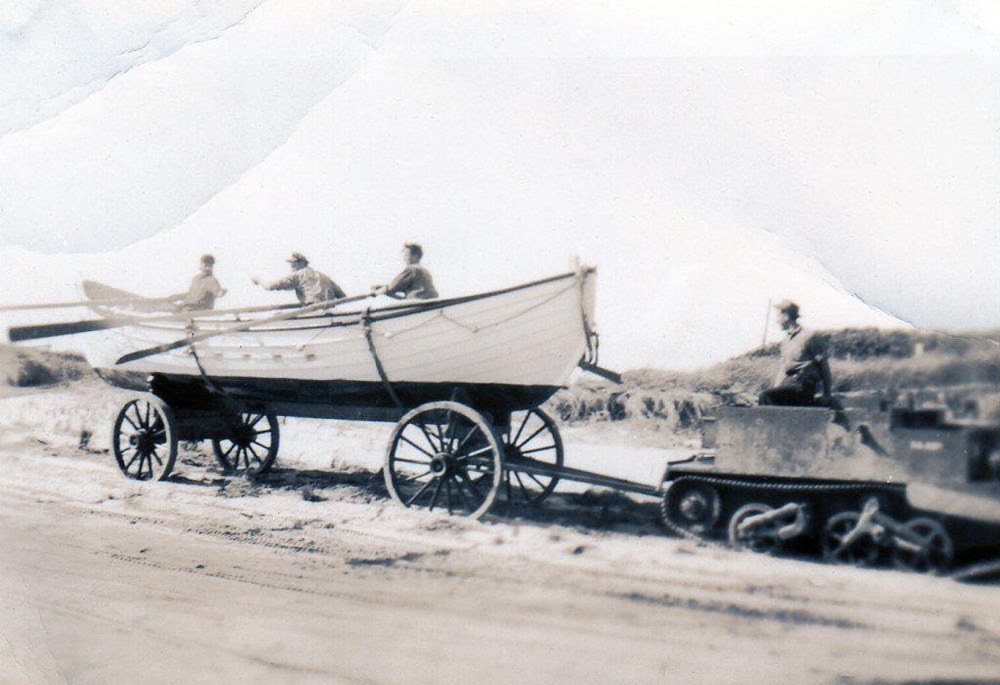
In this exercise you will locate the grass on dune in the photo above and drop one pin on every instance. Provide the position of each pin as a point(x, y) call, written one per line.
point(864, 363)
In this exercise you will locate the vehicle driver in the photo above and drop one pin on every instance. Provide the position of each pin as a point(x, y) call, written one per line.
point(804, 368)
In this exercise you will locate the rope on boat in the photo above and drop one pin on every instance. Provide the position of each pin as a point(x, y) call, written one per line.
point(314, 338)
point(367, 325)
point(476, 329)
point(209, 383)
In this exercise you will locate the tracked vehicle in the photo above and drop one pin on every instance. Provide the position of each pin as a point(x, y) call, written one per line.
point(886, 483)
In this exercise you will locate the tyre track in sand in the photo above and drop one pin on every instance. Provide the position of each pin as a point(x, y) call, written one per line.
point(335, 542)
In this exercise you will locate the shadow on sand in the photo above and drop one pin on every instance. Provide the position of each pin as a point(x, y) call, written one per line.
point(592, 509)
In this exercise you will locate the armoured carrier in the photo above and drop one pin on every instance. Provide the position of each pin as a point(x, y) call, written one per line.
point(887, 483)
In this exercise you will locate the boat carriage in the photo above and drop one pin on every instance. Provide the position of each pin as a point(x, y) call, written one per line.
point(463, 378)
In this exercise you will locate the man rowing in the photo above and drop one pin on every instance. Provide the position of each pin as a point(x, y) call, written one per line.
point(205, 288)
point(310, 286)
point(413, 282)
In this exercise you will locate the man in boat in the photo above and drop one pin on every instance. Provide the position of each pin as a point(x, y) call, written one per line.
point(205, 288)
point(310, 286)
point(805, 367)
point(412, 283)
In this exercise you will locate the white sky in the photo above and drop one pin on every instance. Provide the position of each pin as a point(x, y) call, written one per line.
point(689, 150)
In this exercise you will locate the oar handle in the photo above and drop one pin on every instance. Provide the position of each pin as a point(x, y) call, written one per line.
point(205, 313)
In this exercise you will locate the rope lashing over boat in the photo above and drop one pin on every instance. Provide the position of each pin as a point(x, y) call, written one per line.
point(367, 325)
point(209, 383)
point(311, 340)
point(442, 314)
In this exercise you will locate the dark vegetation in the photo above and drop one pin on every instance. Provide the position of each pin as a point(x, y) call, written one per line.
point(865, 362)
point(25, 367)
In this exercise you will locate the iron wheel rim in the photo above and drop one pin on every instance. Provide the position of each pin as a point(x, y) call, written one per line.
point(444, 456)
point(144, 440)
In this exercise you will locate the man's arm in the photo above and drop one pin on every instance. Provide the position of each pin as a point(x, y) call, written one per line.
point(217, 288)
point(400, 284)
point(816, 347)
point(289, 282)
point(825, 376)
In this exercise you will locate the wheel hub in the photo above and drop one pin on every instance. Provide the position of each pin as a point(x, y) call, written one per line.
point(141, 439)
point(443, 465)
point(244, 435)
point(693, 506)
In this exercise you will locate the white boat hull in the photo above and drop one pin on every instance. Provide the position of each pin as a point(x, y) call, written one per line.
point(532, 335)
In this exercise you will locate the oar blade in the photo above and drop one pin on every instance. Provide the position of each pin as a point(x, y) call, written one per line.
point(51, 330)
point(150, 351)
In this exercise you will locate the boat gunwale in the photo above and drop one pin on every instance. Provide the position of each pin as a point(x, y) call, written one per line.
point(357, 317)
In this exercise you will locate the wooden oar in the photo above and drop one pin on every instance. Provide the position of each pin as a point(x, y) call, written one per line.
point(81, 303)
point(166, 347)
point(51, 330)
point(205, 313)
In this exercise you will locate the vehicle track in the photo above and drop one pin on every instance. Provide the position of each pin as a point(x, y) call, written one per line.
point(324, 540)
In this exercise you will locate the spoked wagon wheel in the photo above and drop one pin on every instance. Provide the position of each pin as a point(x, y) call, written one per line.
point(145, 438)
point(251, 447)
point(531, 442)
point(444, 455)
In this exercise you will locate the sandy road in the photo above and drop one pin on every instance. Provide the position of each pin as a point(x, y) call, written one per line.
point(313, 576)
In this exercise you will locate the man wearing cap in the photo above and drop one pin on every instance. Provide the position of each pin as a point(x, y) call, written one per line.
point(204, 288)
point(310, 286)
point(412, 283)
point(804, 364)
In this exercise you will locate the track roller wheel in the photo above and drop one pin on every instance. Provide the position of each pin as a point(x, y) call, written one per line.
point(144, 438)
point(846, 542)
point(444, 455)
point(924, 546)
point(691, 507)
point(761, 538)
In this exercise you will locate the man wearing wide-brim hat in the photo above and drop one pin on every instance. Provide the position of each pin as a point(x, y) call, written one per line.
point(310, 286)
point(804, 368)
